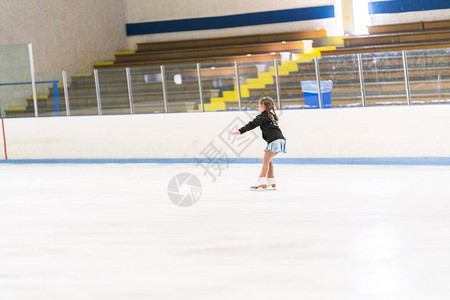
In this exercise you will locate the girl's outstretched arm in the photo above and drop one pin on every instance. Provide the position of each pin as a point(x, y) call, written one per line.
point(258, 121)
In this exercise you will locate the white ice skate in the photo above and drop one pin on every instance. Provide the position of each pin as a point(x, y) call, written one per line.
point(271, 184)
point(261, 184)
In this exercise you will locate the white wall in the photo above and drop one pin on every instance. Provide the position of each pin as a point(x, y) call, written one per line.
point(69, 34)
point(417, 16)
point(138, 11)
point(145, 11)
point(400, 131)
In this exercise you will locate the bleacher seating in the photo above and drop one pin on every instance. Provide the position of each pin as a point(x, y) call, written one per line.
point(217, 51)
point(220, 51)
point(234, 40)
point(384, 78)
point(406, 36)
point(409, 27)
point(204, 50)
point(384, 81)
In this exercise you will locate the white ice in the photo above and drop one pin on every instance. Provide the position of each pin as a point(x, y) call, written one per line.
point(328, 232)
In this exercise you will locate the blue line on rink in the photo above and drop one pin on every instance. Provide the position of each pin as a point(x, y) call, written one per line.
point(437, 161)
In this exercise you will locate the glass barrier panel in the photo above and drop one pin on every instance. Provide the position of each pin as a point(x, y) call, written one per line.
point(340, 83)
point(50, 94)
point(148, 96)
point(429, 76)
point(257, 79)
point(291, 75)
point(384, 78)
point(114, 91)
point(219, 87)
point(82, 94)
point(16, 93)
point(183, 91)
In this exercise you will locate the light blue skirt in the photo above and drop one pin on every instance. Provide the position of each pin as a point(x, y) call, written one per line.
point(277, 146)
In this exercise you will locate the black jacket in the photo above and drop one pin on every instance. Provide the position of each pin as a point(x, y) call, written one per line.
point(269, 128)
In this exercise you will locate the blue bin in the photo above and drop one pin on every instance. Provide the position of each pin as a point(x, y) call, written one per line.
point(311, 93)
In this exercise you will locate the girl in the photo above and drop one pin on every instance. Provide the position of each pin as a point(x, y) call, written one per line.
point(267, 120)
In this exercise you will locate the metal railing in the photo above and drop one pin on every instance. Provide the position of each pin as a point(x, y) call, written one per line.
point(357, 80)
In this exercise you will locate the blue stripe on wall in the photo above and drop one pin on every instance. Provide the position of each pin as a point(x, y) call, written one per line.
point(401, 6)
point(259, 18)
point(424, 161)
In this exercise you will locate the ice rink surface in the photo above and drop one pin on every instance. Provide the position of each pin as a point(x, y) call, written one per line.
point(329, 232)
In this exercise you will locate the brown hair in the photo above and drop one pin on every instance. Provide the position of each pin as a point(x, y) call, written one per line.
point(270, 106)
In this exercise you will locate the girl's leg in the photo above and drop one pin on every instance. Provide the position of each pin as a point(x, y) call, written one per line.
point(270, 173)
point(266, 161)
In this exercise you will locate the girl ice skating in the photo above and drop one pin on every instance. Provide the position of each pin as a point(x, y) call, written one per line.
point(267, 120)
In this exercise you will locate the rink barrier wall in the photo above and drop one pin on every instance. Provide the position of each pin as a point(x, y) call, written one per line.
point(371, 135)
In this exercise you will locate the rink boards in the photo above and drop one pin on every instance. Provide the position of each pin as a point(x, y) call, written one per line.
point(346, 135)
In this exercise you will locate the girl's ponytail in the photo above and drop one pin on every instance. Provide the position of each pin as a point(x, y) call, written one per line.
point(272, 115)
point(275, 115)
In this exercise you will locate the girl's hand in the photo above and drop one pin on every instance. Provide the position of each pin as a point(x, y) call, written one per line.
point(235, 132)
